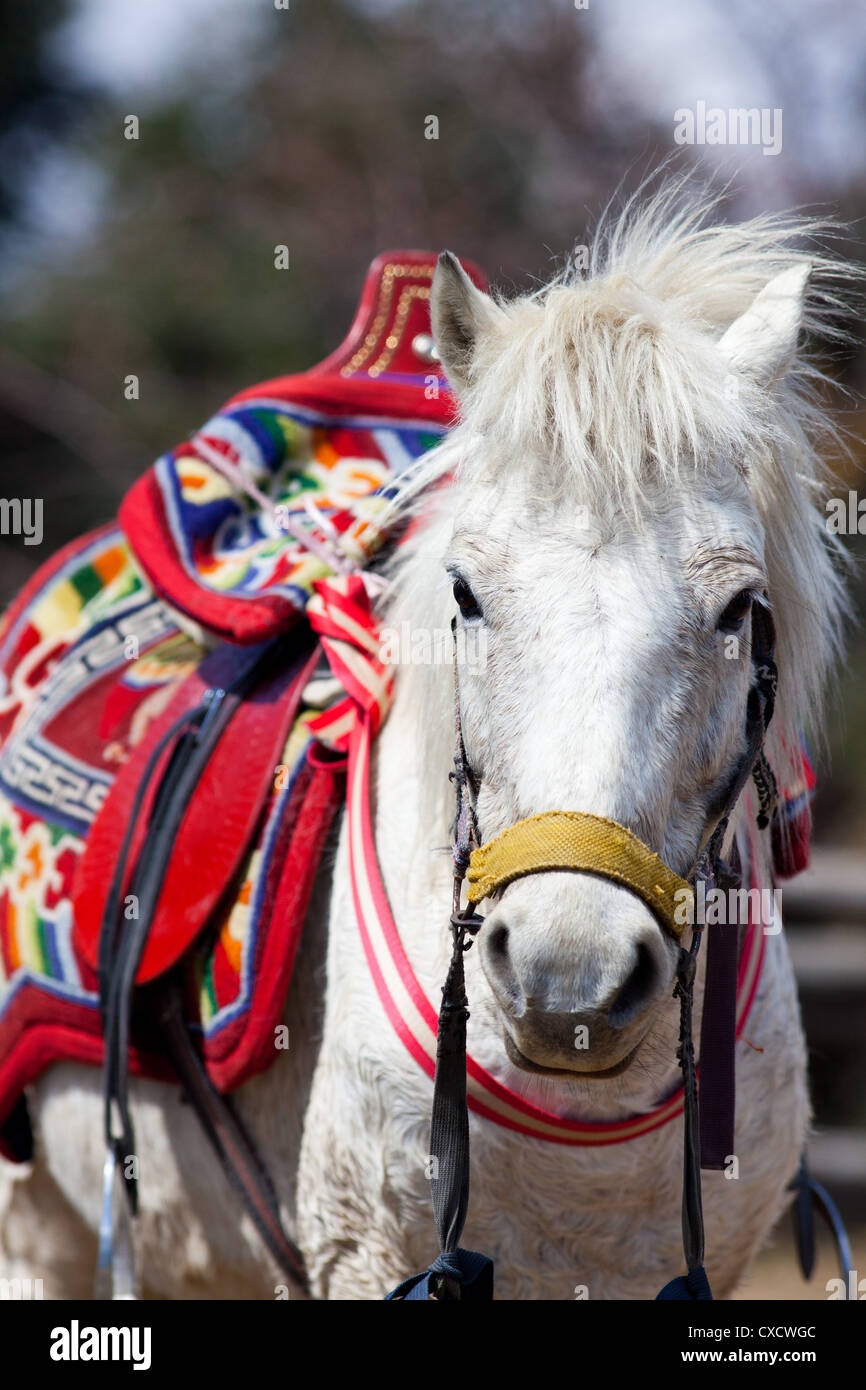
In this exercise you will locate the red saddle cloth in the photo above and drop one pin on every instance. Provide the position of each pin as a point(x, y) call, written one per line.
point(219, 825)
point(339, 433)
point(80, 719)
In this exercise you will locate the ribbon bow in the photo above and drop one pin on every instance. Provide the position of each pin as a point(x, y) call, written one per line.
point(341, 613)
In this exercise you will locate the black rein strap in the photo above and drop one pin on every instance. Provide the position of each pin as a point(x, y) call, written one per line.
point(192, 739)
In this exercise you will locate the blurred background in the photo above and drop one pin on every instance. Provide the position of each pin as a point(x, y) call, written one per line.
point(306, 123)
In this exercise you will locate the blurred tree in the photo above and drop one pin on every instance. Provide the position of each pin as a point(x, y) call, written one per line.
point(320, 145)
point(39, 101)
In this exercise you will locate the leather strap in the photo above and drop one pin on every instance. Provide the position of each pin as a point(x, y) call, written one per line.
point(718, 1038)
point(692, 1205)
point(812, 1197)
point(718, 1087)
point(230, 1141)
point(219, 816)
point(191, 739)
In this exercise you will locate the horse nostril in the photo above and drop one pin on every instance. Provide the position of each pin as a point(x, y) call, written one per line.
point(640, 986)
point(498, 942)
point(500, 968)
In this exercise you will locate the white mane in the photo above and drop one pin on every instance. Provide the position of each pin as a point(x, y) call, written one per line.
point(615, 373)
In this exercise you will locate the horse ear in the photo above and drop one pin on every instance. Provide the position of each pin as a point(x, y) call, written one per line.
point(762, 342)
point(459, 314)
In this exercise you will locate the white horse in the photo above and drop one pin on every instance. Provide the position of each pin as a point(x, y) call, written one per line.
point(639, 454)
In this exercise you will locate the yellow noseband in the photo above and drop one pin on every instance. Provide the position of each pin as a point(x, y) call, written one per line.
point(589, 844)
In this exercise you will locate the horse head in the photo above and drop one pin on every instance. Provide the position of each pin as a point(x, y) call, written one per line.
point(623, 443)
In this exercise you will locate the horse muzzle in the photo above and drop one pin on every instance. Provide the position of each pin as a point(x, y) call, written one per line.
point(577, 1000)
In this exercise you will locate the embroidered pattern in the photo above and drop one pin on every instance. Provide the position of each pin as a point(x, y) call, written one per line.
point(294, 457)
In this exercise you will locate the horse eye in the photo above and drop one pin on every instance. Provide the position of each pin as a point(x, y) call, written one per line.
point(466, 600)
point(737, 611)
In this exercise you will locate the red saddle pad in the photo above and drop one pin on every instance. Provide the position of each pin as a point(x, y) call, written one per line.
point(219, 824)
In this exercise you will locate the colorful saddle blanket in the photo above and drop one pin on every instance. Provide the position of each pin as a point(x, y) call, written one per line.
point(222, 539)
point(73, 735)
point(219, 545)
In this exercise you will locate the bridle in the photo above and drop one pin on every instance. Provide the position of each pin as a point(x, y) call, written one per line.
point(580, 842)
